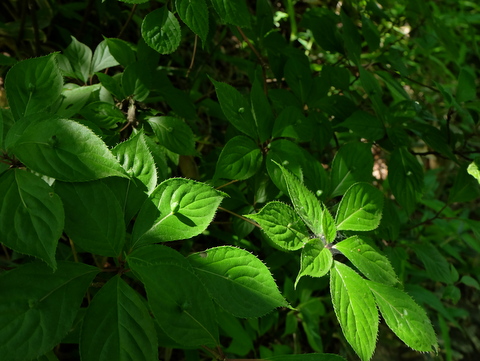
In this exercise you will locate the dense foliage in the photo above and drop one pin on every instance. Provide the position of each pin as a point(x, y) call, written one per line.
point(211, 179)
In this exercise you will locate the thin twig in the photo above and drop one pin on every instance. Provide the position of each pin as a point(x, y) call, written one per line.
point(130, 16)
point(227, 184)
point(193, 56)
point(241, 217)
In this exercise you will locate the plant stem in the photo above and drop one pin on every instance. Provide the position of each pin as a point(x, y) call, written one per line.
point(239, 216)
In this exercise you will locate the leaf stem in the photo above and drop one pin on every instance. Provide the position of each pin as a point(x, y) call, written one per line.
point(74, 251)
point(130, 16)
point(241, 217)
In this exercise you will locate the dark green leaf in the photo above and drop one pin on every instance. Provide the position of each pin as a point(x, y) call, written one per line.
point(121, 51)
point(466, 89)
point(38, 307)
point(365, 125)
point(118, 326)
point(261, 111)
point(74, 98)
point(238, 281)
point(31, 215)
point(299, 76)
point(161, 31)
point(33, 85)
point(93, 217)
point(179, 301)
point(103, 114)
point(234, 12)
point(236, 108)
point(240, 159)
point(194, 13)
point(435, 263)
point(405, 177)
point(353, 163)
point(137, 80)
point(307, 357)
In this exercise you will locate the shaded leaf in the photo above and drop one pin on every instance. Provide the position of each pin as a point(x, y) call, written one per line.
point(161, 31)
point(174, 134)
point(315, 261)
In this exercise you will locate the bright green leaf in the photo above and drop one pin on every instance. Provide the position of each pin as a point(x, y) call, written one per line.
point(238, 281)
point(404, 317)
point(315, 261)
point(174, 134)
point(118, 326)
point(282, 226)
point(328, 226)
point(137, 160)
point(355, 308)
point(306, 204)
point(62, 149)
point(102, 58)
point(474, 169)
point(31, 215)
point(177, 209)
point(240, 159)
point(367, 260)
point(161, 31)
point(33, 85)
point(360, 208)
point(93, 217)
point(38, 307)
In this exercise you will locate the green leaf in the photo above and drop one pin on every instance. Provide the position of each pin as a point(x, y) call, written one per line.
point(74, 98)
point(353, 163)
point(174, 134)
point(238, 281)
point(93, 217)
point(161, 31)
point(236, 108)
point(234, 12)
point(177, 209)
point(194, 13)
point(360, 208)
point(305, 203)
point(103, 114)
point(62, 149)
point(466, 89)
point(137, 80)
point(80, 57)
point(474, 169)
point(157, 254)
point(282, 226)
point(137, 160)
point(328, 226)
point(351, 38)
point(405, 177)
point(38, 307)
point(435, 263)
point(370, 262)
point(179, 301)
point(315, 261)
point(118, 326)
point(370, 33)
point(355, 308)
point(261, 111)
point(121, 51)
point(299, 76)
point(102, 58)
point(31, 215)
point(33, 85)
point(291, 123)
point(404, 317)
point(365, 125)
point(465, 188)
point(240, 159)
